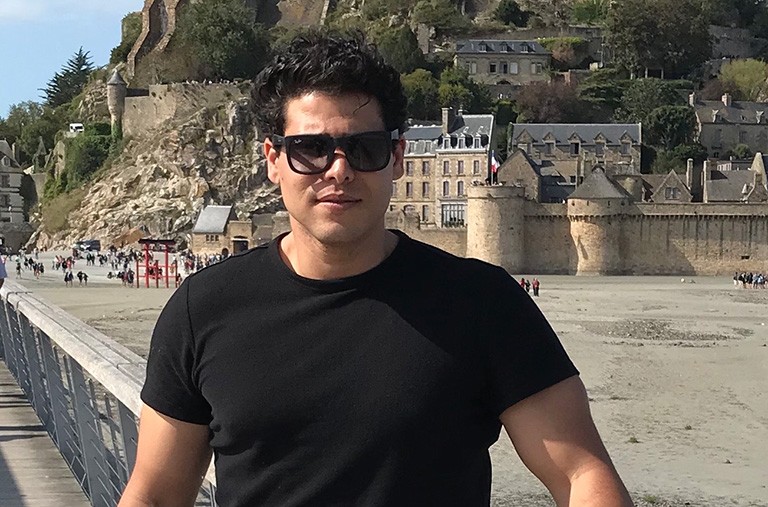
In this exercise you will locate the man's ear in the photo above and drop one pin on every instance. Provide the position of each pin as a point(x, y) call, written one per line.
point(398, 156)
point(271, 153)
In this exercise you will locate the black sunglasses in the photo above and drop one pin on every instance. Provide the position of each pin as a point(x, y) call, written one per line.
point(315, 153)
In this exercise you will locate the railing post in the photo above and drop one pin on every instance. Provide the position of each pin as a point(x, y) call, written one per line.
point(7, 337)
point(130, 433)
point(87, 420)
point(38, 397)
point(22, 361)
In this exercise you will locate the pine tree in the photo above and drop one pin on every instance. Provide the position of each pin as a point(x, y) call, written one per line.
point(70, 81)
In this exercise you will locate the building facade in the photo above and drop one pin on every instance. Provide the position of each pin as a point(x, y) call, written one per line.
point(11, 201)
point(217, 231)
point(504, 62)
point(724, 124)
point(441, 162)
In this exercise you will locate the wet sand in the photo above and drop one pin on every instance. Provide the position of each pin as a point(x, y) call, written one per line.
point(677, 374)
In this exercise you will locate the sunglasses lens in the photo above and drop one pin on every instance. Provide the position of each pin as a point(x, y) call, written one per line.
point(369, 152)
point(309, 154)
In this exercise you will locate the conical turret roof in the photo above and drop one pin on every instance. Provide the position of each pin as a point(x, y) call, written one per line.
point(598, 186)
point(116, 79)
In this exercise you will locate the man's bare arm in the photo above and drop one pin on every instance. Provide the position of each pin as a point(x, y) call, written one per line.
point(555, 436)
point(171, 460)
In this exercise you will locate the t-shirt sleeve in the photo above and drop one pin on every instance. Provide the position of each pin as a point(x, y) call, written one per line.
point(171, 387)
point(525, 355)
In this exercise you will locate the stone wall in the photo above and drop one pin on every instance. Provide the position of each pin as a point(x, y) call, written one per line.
point(168, 101)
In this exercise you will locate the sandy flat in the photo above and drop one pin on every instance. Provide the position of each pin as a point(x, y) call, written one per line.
point(677, 373)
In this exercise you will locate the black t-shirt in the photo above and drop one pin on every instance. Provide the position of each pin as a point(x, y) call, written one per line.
point(384, 388)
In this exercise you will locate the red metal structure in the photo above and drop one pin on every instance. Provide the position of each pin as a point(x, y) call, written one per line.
point(152, 267)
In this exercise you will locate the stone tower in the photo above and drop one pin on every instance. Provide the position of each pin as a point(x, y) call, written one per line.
point(595, 210)
point(496, 226)
point(116, 92)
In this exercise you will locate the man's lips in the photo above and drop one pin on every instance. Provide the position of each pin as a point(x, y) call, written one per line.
point(338, 199)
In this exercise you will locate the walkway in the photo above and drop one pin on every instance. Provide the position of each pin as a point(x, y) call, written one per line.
point(32, 472)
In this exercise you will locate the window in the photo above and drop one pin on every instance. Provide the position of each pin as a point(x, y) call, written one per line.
point(460, 188)
point(743, 137)
point(409, 189)
point(492, 68)
point(460, 167)
point(572, 179)
point(600, 149)
point(513, 68)
point(425, 168)
point(524, 48)
point(472, 67)
point(549, 148)
point(446, 188)
point(425, 213)
point(505, 68)
point(5, 180)
point(672, 193)
point(537, 68)
point(409, 168)
point(446, 142)
point(476, 167)
point(425, 189)
point(6, 161)
point(483, 47)
point(453, 214)
point(461, 142)
point(476, 142)
point(446, 167)
point(575, 148)
point(625, 146)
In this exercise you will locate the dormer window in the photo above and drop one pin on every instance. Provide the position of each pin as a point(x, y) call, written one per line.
point(575, 147)
point(446, 142)
point(476, 142)
point(483, 47)
point(461, 142)
point(505, 47)
point(524, 48)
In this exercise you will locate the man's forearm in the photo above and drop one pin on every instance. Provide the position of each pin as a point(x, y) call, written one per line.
point(599, 486)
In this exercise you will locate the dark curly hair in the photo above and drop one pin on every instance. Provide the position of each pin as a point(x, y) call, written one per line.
point(331, 63)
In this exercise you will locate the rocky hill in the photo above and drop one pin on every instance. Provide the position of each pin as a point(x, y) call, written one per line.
point(165, 176)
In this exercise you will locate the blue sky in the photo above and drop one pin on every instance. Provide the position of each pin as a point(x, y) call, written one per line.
point(38, 36)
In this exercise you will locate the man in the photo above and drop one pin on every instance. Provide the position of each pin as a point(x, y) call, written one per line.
point(338, 365)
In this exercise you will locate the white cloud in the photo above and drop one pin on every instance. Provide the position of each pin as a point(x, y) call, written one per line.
point(30, 10)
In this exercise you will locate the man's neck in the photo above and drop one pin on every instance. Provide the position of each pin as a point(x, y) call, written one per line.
point(309, 258)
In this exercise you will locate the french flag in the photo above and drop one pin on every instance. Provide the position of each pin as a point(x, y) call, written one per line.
point(494, 163)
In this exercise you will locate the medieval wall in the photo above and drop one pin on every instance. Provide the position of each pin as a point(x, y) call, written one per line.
point(167, 101)
point(548, 244)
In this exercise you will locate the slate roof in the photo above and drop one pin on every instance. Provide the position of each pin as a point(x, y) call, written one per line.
point(423, 132)
point(654, 180)
point(116, 79)
point(472, 46)
point(214, 219)
point(467, 125)
point(587, 132)
point(739, 112)
point(728, 186)
point(597, 186)
point(5, 150)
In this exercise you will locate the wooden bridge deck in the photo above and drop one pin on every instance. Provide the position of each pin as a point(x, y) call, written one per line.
point(32, 472)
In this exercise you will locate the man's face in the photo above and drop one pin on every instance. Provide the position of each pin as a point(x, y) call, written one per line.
point(341, 205)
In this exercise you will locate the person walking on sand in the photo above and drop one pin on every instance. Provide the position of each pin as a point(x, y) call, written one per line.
point(536, 284)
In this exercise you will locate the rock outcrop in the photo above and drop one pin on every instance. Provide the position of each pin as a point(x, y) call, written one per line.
point(164, 177)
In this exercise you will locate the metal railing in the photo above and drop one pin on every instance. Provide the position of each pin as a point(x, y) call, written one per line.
point(85, 389)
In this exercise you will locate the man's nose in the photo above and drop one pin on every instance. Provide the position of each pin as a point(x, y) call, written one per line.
point(340, 169)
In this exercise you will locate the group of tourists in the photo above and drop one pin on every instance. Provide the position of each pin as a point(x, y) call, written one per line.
point(534, 284)
point(194, 263)
point(749, 280)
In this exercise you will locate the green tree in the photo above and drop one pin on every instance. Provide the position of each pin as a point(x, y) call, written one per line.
point(131, 31)
point(46, 126)
point(457, 90)
point(226, 38)
point(510, 13)
point(592, 12)
point(442, 15)
point(552, 12)
point(741, 151)
point(19, 116)
point(400, 48)
point(670, 126)
point(643, 96)
point(696, 151)
point(666, 161)
point(550, 103)
point(672, 35)
point(85, 154)
point(421, 88)
point(375, 10)
point(603, 90)
point(747, 76)
point(70, 80)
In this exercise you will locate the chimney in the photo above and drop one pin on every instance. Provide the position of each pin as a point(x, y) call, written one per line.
point(706, 175)
point(448, 118)
point(692, 98)
point(727, 99)
point(15, 151)
point(689, 174)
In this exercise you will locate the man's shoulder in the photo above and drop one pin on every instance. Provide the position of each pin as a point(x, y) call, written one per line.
point(237, 269)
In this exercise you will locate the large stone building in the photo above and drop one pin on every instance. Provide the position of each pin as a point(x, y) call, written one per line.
point(550, 160)
point(505, 63)
point(724, 124)
point(441, 162)
point(11, 201)
point(217, 231)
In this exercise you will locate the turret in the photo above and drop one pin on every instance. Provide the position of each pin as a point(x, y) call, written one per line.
point(496, 226)
point(594, 211)
point(117, 90)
